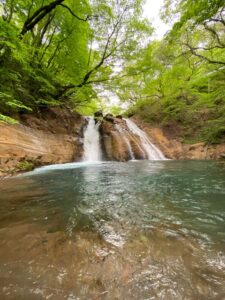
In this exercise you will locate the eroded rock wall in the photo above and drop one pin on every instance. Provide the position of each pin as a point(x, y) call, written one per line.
point(118, 143)
point(173, 148)
point(50, 138)
point(56, 136)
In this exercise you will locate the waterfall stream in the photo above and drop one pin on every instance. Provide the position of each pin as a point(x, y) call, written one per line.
point(92, 147)
point(152, 151)
point(129, 147)
point(123, 136)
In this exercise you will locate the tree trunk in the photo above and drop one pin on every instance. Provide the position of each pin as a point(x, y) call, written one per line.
point(38, 16)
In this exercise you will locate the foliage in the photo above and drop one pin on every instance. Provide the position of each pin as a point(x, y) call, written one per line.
point(64, 52)
point(25, 165)
point(180, 80)
point(55, 52)
point(7, 119)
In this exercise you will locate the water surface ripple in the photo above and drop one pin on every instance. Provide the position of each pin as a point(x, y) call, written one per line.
point(136, 230)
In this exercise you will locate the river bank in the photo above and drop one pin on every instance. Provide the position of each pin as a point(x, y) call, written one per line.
point(168, 139)
point(50, 137)
point(56, 135)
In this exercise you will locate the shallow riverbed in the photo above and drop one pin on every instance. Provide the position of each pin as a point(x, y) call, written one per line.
point(138, 230)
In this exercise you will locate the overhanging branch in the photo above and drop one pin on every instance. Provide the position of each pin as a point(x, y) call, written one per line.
point(211, 61)
point(38, 15)
point(73, 14)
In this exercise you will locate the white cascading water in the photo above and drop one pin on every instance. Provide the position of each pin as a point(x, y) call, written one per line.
point(123, 136)
point(137, 144)
point(129, 147)
point(92, 147)
point(152, 151)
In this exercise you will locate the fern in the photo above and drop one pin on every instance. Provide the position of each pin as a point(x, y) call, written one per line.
point(7, 119)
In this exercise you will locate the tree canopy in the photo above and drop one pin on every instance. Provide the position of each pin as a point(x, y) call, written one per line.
point(57, 52)
point(180, 79)
point(68, 52)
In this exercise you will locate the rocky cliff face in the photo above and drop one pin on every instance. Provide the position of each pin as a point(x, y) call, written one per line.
point(169, 143)
point(54, 136)
point(118, 143)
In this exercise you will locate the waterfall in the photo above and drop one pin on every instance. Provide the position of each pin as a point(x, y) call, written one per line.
point(137, 144)
point(152, 151)
point(123, 136)
point(129, 147)
point(92, 147)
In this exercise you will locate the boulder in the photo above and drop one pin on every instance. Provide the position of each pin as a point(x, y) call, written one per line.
point(98, 113)
point(109, 118)
point(114, 147)
point(113, 144)
point(98, 116)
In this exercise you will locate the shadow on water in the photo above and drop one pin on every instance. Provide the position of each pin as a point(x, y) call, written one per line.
point(136, 230)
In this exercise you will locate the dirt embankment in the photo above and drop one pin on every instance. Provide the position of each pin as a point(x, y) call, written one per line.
point(167, 139)
point(52, 136)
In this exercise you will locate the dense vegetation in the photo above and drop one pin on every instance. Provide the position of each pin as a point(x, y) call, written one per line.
point(181, 80)
point(67, 52)
point(58, 52)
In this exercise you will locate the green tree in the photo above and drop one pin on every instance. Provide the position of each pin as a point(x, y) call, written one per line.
point(56, 52)
point(181, 78)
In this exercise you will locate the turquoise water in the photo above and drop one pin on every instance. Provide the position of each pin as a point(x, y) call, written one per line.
point(136, 230)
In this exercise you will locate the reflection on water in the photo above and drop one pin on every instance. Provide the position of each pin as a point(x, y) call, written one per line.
point(136, 230)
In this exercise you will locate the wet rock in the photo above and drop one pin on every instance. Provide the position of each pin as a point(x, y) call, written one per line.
point(98, 113)
point(33, 140)
point(113, 143)
point(118, 142)
point(109, 118)
point(138, 150)
point(167, 139)
point(55, 120)
point(222, 156)
point(115, 147)
point(80, 141)
point(98, 116)
point(106, 127)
